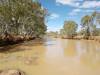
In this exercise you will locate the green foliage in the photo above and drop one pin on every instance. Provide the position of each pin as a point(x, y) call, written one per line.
point(98, 18)
point(52, 34)
point(85, 22)
point(88, 24)
point(22, 17)
point(69, 28)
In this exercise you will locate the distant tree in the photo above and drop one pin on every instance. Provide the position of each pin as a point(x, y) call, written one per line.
point(96, 31)
point(85, 22)
point(96, 17)
point(62, 32)
point(53, 34)
point(69, 28)
point(88, 23)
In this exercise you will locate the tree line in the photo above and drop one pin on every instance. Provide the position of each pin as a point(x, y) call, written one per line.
point(89, 27)
point(21, 20)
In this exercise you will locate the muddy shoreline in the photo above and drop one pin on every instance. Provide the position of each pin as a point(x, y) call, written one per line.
point(95, 38)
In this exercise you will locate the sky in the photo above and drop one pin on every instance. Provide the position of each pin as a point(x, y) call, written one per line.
point(61, 10)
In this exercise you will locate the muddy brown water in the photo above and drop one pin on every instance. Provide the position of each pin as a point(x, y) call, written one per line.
point(54, 57)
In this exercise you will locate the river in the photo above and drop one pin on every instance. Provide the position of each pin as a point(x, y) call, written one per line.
point(54, 57)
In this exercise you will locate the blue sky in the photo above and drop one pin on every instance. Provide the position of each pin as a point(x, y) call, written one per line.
point(61, 10)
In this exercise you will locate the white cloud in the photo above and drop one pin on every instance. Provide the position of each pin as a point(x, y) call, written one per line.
point(80, 3)
point(74, 12)
point(73, 3)
point(88, 11)
point(90, 4)
point(54, 16)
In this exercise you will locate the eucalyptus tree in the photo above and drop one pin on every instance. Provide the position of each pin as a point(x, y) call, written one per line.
point(62, 33)
point(96, 17)
point(89, 23)
point(85, 22)
point(70, 28)
point(39, 15)
point(14, 14)
point(22, 17)
point(96, 31)
point(96, 20)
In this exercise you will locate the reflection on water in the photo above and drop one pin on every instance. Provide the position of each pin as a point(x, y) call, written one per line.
point(54, 52)
point(70, 49)
point(55, 57)
point(91, 55)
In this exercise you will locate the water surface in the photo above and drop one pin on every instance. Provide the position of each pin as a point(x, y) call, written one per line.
point(54, 57)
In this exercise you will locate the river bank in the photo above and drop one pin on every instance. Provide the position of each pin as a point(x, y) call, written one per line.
point(11, 40)
point(95, 38)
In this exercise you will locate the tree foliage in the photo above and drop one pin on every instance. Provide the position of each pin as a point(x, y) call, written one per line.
point(85, 22)
point(69, 28)
point(88, 24)
point(22, 18)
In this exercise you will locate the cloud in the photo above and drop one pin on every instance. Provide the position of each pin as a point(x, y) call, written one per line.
point(80, 3)
point(54, 16)
point(73, 3)
point(90, 4)
point(74, 12)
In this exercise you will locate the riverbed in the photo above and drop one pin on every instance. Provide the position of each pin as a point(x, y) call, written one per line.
point(54, 57)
